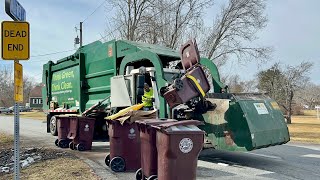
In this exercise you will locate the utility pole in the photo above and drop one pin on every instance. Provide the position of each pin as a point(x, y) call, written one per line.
point(81, 35)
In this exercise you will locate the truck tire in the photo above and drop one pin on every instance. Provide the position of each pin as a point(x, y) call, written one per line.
point(53, 126)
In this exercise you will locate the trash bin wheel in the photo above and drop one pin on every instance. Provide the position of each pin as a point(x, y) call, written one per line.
point(178, 84)
point(56, 142)
point(139, 174)
point(153, 177)
point(63, 144)
point(107, 160)
point(71, 145)
point(117, 164)
point(80, 147)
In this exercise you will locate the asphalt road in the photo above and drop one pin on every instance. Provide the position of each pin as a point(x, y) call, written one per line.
point(290, 161)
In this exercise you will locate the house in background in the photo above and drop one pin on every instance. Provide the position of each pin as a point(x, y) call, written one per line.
point(35, 99)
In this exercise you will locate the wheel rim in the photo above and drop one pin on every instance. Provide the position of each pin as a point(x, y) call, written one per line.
point(53, 125)
point(153, 177)
point(63, 144)
point(139, 174)
point(80, 147)
point(178, 83)
point(117, 164)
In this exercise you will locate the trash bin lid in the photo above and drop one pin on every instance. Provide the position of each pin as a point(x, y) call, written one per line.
point(149, 122)
point(180, 127)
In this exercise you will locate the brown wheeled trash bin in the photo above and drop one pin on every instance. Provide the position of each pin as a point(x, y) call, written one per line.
point(124, 146)
point(63, 127)
point(149, 153)
point(81, 133)
point(179, 144)
point(186, 88)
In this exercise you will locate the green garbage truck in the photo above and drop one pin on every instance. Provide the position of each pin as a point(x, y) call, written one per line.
point(100, 79)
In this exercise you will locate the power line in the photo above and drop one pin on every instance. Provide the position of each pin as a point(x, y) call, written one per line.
point(94, 11)
point(58, 52)
point(118, 28)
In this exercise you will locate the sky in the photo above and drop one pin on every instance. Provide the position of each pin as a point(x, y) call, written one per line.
point(292, 31)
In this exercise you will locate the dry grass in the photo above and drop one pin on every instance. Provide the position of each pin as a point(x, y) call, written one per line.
point(5, 140)
point(310, 112)
point(61, 168)
point(305, 129)
point(31, 115)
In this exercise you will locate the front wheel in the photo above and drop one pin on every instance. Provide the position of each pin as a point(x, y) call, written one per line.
point(139, 174)
point(53, 126)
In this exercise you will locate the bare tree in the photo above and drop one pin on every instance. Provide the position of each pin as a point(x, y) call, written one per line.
point(236, 85)
point(234, 31)
point(282, 85)
point(28, 85)
point(129, 16)
point(7, 86)
point(296, 79)
point(174, 22)
point(309, 95)
point(163, 22)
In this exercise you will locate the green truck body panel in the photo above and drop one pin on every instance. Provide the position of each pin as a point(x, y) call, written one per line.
point(65, 85)
point(239, 123)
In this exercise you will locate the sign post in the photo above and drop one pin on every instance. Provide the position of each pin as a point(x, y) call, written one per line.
point(15, 43)
point(16, 142)
point(18, 97)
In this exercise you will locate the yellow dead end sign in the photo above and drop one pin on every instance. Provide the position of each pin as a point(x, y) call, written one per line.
point(18, 82)
point(15, 40)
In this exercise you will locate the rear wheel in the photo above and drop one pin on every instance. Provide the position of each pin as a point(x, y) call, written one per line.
point(117, 164)
point(53, 126)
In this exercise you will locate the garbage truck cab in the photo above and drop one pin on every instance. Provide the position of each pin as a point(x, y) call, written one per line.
point(128, 89)
point(102, 78)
